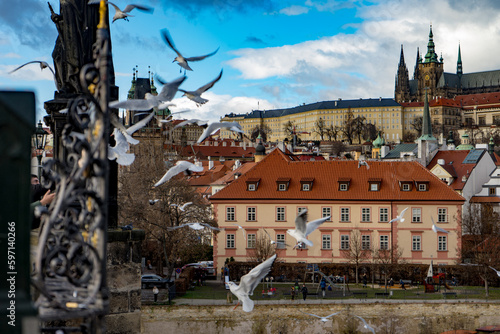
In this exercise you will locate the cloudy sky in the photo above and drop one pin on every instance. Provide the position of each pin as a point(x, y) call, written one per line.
point(275, 54)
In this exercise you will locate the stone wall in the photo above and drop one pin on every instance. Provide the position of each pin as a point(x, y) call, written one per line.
point(408, 318)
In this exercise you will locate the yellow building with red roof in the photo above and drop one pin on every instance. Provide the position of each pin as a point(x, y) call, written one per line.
point(363, 198)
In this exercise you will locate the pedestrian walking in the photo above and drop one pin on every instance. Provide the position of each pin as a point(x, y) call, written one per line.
point(365, 280)
point(402, 284)
point(304, 291)
point(292, 293)
point(155, 293)
point(322, 284)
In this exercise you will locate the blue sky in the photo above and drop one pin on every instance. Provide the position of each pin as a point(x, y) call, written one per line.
point(275, 54)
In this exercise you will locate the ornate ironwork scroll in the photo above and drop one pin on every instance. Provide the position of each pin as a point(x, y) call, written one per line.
point(70, 268)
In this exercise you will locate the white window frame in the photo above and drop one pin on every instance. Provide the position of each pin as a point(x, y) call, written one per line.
point(384, 242)
point(280, 241)
point(252, 213)
point(306, 187)
point(281, 186)
point(344, 242)
point(373, 186)
point(326, 212)
point(345, 215)
point(405, 187)
point(280, 214)
point(422, 187)
point(383, 214)
point(343, 187)
point(326, 241)
point(366, 214)
point(365, 242)
point(442, 243)
point(442, 215)
point(229, 213)
point(416, 243)
point(251, 240)
point(251, 187)
point(230, 241)
point(416, 215)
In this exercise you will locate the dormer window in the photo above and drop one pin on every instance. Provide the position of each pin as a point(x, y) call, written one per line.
point(422, 185)
point(405, 185)
point(306, 183)
point(253, 184)
point(344, 183)
point(374, 184)
point(283, 183)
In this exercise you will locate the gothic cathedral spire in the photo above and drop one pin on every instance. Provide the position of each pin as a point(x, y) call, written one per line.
point(418, 61)
point(459, 63)
point(431, 55)
point(402, 91)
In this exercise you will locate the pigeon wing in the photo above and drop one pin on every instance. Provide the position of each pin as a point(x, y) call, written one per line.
point(139, 125)
point(249, 282)
point(133, 104)
point(129, 8)
point(311, 226)
point(178, 168)
point(300, 222)
point(169, 88)
point(169, 41)
point(201, 57)
point(209, 85)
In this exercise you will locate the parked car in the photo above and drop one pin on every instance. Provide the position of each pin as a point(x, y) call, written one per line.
point(150, 280)
point(208, 265)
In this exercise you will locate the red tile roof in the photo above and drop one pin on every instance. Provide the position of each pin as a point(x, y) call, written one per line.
point(485, 199)
point(453, 165)
point(203, 151)
point(326, 173)
point(231, 175)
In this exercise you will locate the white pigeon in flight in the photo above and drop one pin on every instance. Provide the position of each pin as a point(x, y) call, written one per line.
point(437, 229)
point(497, 271)
point(302, 230)
point(183, 207)
point(153, 201)
point(119, 150)
point(191, 121)
point(215, 126)
point(249, 282)
point(180, 59)
point(365, 324)
point(195, 95)
point(195, 226)
point(400, 217)
point(150, 101)
point(124, 14)
point(181, 166)
point(43, 65)
point(324, 319)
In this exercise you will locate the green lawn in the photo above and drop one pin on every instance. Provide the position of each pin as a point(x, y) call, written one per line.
point(216, 290)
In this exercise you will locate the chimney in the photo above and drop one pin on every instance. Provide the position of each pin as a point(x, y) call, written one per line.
point(210, 164)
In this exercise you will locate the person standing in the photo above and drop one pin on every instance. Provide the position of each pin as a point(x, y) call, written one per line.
point(402, 283)
point(365, 280)
point(155, 293)
point(292, 293)
point(304, 291)
point(322, 284)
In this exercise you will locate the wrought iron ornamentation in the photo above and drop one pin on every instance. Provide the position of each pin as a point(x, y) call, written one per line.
point(70, 267)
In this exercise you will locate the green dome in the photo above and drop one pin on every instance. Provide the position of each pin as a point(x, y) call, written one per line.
point(379, 142)
point(465, 143)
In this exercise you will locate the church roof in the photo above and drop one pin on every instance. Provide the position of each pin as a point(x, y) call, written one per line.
point(470, 80)
point(395, 153)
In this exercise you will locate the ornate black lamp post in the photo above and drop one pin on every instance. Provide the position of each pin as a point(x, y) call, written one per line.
point(39, 140)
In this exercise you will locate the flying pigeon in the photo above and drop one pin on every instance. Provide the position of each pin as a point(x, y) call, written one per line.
point(249, 282)
point(215, 126)
point(123, 14)
point(302, 230)
point(180, 166)
point(400, 217)
point(196, 94)
point(153, 201)
point(181, 61)
point(43, 65)
point(365, 324)
point(363, 163)
point(324, 319)
point(497, 271)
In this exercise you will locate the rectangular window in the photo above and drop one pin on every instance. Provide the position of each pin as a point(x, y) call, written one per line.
point(365, 214)
point(251, 213)
point(416, 215)
point(230, 214)
point(251, 187)
point(384, 242)
point(251, 238)
point(282, 187)
point(422, 187)
point(406, 187)
point(229, 240)
point(442, 215)
point(384, 214)
point(326, 212)
point(492, 191)
point(280, 241)
point(416, 243)
point(300, 209)
point(344, 242)
point(305, 187)
point(327, 241)
point(280, 214)
point(442, 243)
point(344, 214)
point(365, 242)
point(373, 186)
point(343, 187)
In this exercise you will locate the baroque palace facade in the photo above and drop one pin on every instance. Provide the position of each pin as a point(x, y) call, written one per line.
point(455, 100)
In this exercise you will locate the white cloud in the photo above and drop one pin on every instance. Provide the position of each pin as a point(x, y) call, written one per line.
point(10, 55)
point(294, 10)
point(30, 72)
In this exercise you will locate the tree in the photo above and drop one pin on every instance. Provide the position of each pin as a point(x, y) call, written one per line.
point(263, 248)
point(289, 129)
point(359, 126)
point(338, 147)
point(332, 132)
point(417, 124)
point(370, 132)
point(262, 130)
point(388, 260)
point(320, 128)
point(481, 241)
point(135, 185)
point(357, 252)
point(409, 137)
point(348, 129)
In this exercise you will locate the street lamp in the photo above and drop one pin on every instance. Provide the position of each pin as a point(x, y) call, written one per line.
point(39, 140)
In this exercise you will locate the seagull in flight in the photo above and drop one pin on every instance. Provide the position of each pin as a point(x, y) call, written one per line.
point(194, 226)
point(119, 150)
point(153, 201)
point(249, 282)
point(43, 65)
point(324, 319)
point(273, 242)
point(191, 121)
point(400, 217)
point(180, 166)
point(150, 101)
point(363, 163)
point(302, 230)
point(124, 14)
point(195, 95)
point(215, 126)
point(183, 207)
point(180, 59)
point(497, 271)
point(437, 229)
point(365, 324)
point(242, 230)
